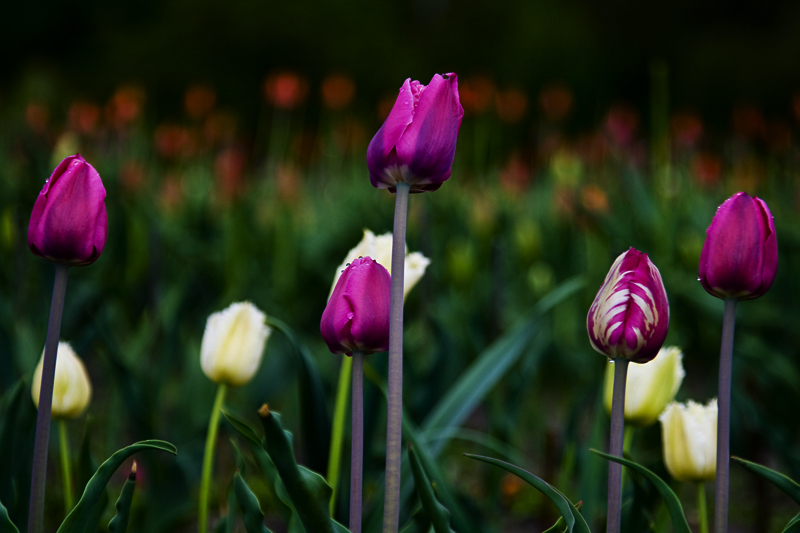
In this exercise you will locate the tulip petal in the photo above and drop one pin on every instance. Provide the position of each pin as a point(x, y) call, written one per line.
point(381, 155)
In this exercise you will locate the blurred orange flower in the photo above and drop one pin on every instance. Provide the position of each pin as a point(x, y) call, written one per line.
point(748, 122)
point(83, 116)
point(338, 91)
point(172, 141)
point(229, 168)
point(515, 175)
point(706, 169)
point(594, 199)
point(37, 117)
point(125, 105)
point(687, 130)
point(475, 94)
point(199, 101)
point(511, 105)
point(219, 127)
point(621, 124)
point(556, 101)
point(285, 90)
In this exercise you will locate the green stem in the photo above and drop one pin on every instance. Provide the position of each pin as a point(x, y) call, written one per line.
point(357, 447)
point(394, 414)
point(702, 508)
point(208, 458)
point(39, 474)
point(337, 433)
point(66, 471)
point(627, 440)
point(724, 417)
point(614, 516)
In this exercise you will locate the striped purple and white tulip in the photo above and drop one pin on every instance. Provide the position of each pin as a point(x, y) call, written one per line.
point(629, 318)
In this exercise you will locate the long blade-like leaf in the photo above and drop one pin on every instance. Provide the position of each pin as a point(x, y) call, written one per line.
point(573, 519)
point(440, 517)
point(119, 523)
point(6, 525)
point(316, 423)
point(252, 516)
point(793, 526)
point(786, 484)
point(76, 521)
point(679, 522)
point(491, 365)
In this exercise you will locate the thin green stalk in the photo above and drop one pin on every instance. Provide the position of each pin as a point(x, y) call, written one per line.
point(702, 508)
point(724, 417)
point(337, 432)
point(208, 458)
point(614, 517)
point(357, 447)
point(39, 474)
point(66, 471)
point(394, 414)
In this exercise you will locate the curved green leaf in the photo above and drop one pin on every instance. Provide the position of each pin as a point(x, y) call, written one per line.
point(252, 516)
point(308, 491)
point(440, 517)
point(76, 521)
point(572, 518)
point(786, 484)
point(6, 525)
point(558, 527)
point(119, 523)
point(242, 426)
point(679, 522)
point(793, 526)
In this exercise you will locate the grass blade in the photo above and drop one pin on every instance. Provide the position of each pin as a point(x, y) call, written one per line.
point(784, 483)
point(252, 516)
point(119, 523)
point(6, 525)
point(440, 517)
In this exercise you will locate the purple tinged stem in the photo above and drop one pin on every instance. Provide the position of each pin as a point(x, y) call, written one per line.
point(39, 474)
point(724, 417)
point(394, 422)
point(357, 446)
point(614, 517)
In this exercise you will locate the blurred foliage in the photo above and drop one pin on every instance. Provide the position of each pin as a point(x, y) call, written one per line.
point(210, 208)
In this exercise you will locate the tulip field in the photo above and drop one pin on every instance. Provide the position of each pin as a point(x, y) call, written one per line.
point(232, 320)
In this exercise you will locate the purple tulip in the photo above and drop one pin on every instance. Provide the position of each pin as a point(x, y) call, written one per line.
point(740, 255)
point(357, 315)
point(69, 223)
point(630, 314)
point(417, 143)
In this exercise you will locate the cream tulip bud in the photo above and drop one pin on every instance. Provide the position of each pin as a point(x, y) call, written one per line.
point(689, 434)
point(650, 386)
point(72, 389)
point(233, 343)
point(379, 248)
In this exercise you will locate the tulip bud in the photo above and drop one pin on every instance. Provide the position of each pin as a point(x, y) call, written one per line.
point(630, 314)
point(689, 434)
point(69, 222)
point(357, 315)
point(649, 387)
point(380, 249)
point(233, 343)
point(72, 389)
point(417, 142)
point(740, 255)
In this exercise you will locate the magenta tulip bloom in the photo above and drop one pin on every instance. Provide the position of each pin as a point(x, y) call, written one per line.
point(630, 314)
point(69, 222)
point(417, 143)
point(740, 255)
point(357, 315)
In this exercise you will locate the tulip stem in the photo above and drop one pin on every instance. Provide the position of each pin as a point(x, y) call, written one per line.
point(394, 415)
point(357, 446)
point(614, 517)
point(702, 508)
point(208, 458)
point(66, 471)
point(724, 417)
point(39, 474)
point(337, 432)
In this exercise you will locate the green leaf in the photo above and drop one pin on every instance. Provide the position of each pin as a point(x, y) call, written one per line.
point(786, 484)
point(252, 516)
point(119, 523)
point(793, 526)
point(308, 491)
point(242, 426)
point(559, 527)
point(6, 525)
point(440, 517)
point(679, 522)
point(573, 519)
point(491, 365)
point(77, 520)
point(316, 424)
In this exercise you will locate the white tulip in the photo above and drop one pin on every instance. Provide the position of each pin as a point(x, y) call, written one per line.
point(649, 387)
point(72, 389)
point(379, 248)
point(233, 344)
point(689, 435)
